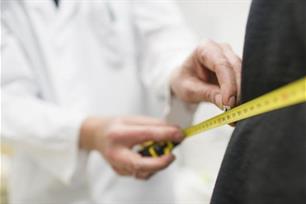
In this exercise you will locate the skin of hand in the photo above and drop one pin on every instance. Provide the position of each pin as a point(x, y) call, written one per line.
point(211, 73)
point(114, 138)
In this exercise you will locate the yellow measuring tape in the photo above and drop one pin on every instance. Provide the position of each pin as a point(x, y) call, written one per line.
point(291, 94)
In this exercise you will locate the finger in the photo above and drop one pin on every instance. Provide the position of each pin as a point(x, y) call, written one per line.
point(137, 163)
point(212, 57)
point(136, 134)
point(143, 120)
point(143, 175)
point(236, 64)
point(152, 165)
point(119, 162)
point(198, 91)
point(202, 73)
point(121, 171)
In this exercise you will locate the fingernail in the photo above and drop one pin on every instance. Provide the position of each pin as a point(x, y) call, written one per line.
point(232, 101)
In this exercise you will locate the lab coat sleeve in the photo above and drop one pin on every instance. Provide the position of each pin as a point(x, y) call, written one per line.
point(46, 133)
point(165, 42)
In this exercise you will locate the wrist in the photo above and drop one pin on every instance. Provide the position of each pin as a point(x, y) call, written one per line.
point(87, 133)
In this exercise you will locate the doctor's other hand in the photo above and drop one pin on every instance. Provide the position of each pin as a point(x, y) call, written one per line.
point(114, 138)
point(211, 73)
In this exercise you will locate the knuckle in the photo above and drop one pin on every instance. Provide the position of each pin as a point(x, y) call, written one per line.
point(199, 49)
point(202, 50)
point(207, 95)
point(112, 137)
point(115, 133)
point(221, 64)
point(213, 96)
point(204, 47)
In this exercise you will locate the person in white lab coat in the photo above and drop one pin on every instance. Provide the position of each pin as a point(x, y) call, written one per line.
point(84, 82)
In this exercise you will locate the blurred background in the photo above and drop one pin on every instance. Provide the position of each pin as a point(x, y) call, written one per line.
point(199, 157)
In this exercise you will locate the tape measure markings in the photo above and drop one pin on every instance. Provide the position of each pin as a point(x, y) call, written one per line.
point(285, 96)
point(289, 95)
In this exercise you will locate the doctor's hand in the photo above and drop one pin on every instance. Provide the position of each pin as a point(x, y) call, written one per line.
point(114, 138)
point(211, 73)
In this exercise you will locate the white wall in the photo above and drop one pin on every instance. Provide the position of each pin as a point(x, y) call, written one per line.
point(223, 21)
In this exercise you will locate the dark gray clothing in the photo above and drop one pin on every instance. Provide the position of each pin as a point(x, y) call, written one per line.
point(265, 161)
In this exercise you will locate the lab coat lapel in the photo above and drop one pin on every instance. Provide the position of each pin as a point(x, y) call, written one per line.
point(66, 11)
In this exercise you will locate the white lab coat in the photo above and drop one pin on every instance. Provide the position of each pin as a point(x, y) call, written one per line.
point(59, 66)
